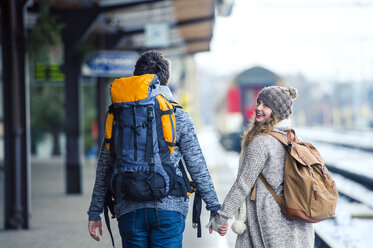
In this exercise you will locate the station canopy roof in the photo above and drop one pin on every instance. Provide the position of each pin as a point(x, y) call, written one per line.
point(175, 27)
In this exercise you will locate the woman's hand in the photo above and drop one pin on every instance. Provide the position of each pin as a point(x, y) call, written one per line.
point(212, 225)
point(92, 226)
point(222, 230)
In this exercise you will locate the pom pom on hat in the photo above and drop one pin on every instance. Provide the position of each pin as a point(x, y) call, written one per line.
point(293, 92)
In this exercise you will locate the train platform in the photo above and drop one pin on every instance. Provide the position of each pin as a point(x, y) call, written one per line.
point(59, 220)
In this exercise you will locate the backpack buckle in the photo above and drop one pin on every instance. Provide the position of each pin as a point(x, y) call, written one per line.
point(150, 113)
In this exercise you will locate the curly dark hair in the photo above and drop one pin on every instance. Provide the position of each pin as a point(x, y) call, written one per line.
point(153, 62)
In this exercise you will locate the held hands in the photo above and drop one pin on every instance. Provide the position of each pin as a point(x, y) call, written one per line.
point(213, 225)
point(222, 230)
point(92, 226)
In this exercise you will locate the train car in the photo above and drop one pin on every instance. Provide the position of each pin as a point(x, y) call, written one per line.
point(238, 106)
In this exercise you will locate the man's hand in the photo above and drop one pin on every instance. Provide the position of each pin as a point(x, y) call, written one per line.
point(210, 228)
point(92, 226)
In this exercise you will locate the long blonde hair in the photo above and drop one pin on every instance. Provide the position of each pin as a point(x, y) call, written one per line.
point(258, 128)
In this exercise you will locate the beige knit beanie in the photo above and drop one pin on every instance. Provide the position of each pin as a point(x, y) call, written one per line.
point(279, 99)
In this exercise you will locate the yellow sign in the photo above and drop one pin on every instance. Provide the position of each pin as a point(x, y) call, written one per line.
point(44, 72)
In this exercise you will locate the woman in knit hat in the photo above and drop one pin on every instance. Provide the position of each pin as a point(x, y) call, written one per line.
point(260, 223)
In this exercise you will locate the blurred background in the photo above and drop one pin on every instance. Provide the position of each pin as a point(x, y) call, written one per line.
point(59, 58)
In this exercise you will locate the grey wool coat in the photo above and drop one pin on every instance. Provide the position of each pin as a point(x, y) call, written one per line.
point(266, 225)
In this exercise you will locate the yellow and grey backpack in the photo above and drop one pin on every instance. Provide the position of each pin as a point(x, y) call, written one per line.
point(140, 133)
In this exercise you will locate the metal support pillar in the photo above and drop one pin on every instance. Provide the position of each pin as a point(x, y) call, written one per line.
point(101, 107)
point(74, 147)
point(16, 117)
point(77, 25)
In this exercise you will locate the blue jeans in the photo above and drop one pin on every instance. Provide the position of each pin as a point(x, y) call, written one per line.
point(149, 227)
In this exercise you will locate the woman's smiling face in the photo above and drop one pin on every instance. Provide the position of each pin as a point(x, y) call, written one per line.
point(262, 112)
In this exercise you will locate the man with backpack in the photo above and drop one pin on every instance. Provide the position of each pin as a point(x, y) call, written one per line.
point(147, 135)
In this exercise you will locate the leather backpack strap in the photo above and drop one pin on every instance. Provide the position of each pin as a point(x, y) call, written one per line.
point(253, 193)
point(279, 137)
point(269, 188)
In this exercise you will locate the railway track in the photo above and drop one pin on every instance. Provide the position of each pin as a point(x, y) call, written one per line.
point(358, 178)
point(355, 187)
point(355, 205)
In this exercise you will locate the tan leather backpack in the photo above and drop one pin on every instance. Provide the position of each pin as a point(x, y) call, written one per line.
point(310, 193)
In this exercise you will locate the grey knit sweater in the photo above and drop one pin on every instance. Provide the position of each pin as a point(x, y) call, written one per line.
point(195, 163)
point(266, 225)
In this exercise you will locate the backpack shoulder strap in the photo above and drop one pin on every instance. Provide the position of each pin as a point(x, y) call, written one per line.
point(290, 137)
point(176, 105)
point(277, 198)
point(279, 137)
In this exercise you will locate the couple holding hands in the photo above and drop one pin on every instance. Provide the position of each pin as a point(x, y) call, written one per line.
point(258, 223)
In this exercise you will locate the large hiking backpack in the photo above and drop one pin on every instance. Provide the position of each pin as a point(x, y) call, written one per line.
point(140, 133)
point(310, 193)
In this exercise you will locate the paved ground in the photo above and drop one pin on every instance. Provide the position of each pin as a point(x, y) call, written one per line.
point(60, 221)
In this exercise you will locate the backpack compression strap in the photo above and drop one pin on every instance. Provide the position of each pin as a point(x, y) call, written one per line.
point(149, 143)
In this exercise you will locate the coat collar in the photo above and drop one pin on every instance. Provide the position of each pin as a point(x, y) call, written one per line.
point(166, 92)
point(283, 126)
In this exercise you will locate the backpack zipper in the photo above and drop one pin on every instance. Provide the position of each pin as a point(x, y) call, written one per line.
point(317, 195)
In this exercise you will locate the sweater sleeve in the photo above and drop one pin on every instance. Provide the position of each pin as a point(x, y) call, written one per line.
point(99, 190)
point(253, 163)
point(196, 164)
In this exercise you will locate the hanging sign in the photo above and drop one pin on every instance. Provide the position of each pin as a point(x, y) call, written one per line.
point(110, 64)
point(157, 35)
